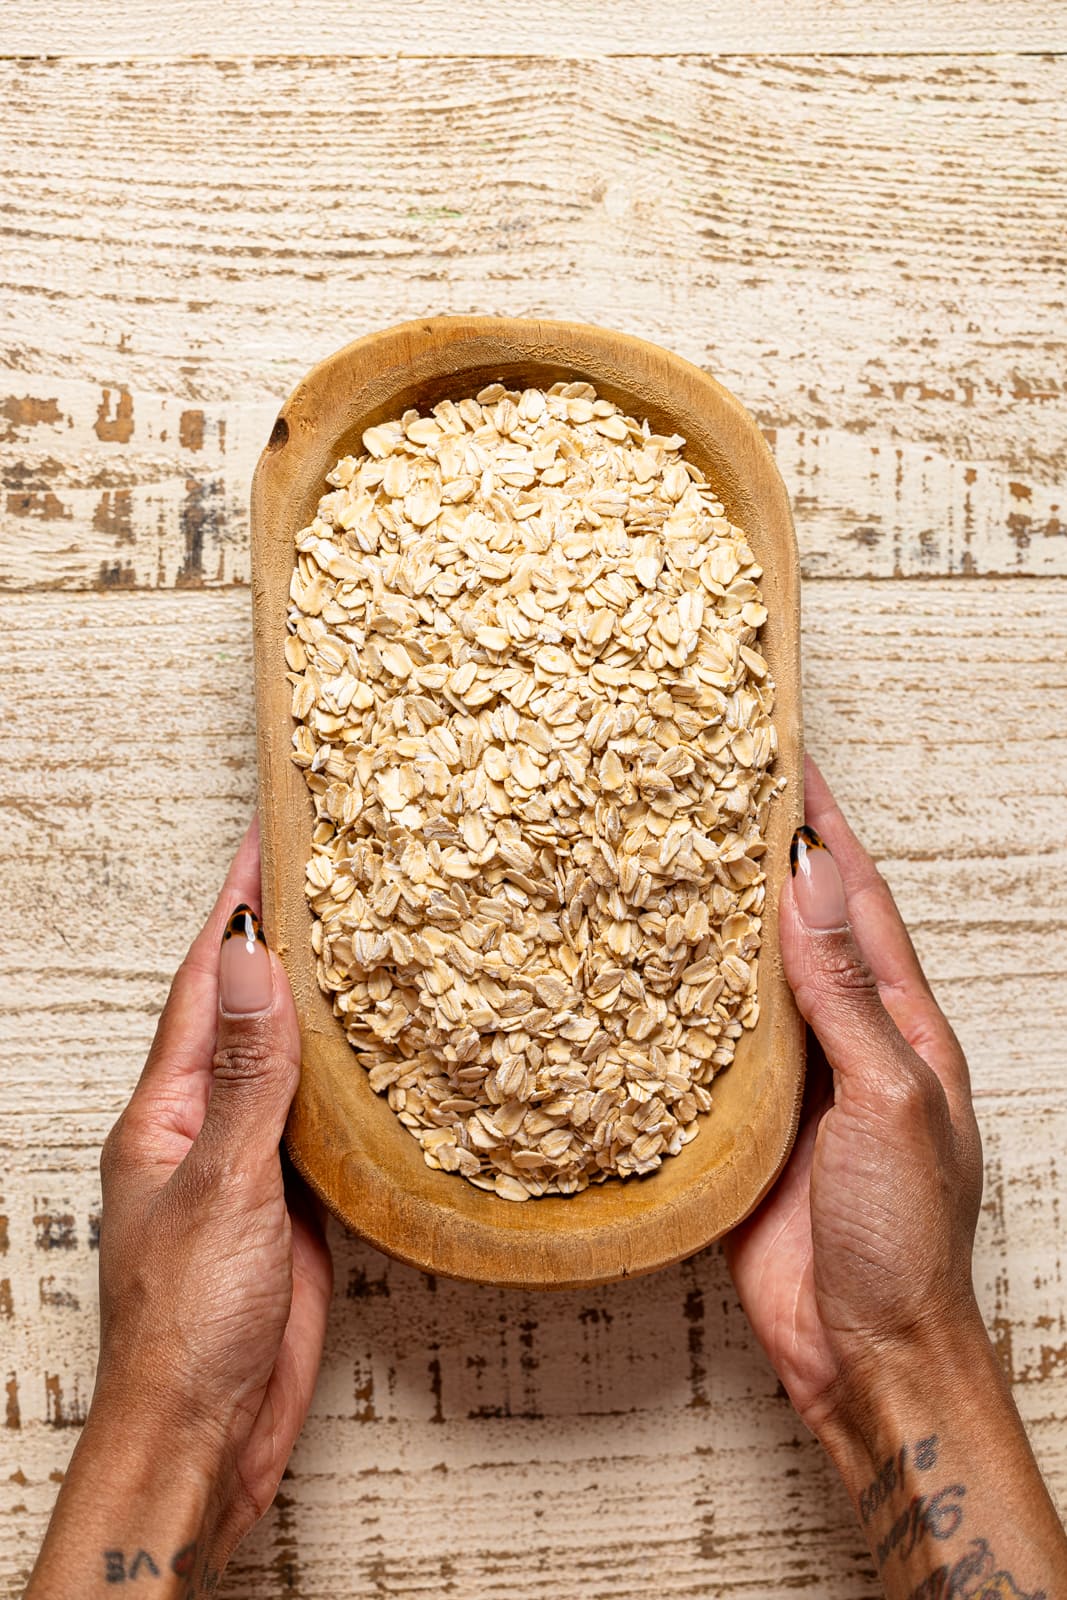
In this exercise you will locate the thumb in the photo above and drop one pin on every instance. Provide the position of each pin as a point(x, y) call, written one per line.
point(835, 990)
point(256, 1067)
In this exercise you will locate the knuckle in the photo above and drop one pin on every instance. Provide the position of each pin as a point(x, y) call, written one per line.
point(919, 1095)
point(115, 1150)
point(835, 975)
point(249, 1066)
point(843, 969)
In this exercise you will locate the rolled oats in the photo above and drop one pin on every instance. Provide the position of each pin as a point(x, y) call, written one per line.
point(535, 721)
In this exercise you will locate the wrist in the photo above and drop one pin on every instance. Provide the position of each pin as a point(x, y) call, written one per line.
point(918, 1386)
point(134, 1504)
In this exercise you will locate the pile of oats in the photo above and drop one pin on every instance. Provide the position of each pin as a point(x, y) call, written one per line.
point(536, 724)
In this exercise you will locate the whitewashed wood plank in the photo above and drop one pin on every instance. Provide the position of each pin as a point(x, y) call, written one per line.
point(182, 239)
point(532, 27)
point(616, 1440)
point(506, 1441)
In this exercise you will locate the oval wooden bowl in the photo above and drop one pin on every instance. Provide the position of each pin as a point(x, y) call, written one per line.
point(343, 1137)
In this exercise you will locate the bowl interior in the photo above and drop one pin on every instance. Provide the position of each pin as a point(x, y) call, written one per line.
point(343, 1137)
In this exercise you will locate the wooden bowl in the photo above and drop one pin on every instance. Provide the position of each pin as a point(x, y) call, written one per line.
point(343, 1137)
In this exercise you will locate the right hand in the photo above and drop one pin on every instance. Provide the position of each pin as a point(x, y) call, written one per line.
point(863, 1249)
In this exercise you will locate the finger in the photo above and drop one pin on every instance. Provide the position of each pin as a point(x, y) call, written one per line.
point(177, 1074)
point(884, 942)
point(835, 989)
point(292, 1383)
point(256, 1064)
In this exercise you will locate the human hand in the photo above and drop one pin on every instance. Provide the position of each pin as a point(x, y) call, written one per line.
point(215, 1277)
point(864, 1246)
point(856, 1272)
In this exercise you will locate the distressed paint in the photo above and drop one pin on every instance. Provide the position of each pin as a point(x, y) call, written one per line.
point(537, 27)
point(479, 1441)
point(810, 230)
point(181, 240)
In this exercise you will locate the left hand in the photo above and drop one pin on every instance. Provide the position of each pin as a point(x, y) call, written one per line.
point(215, 1278)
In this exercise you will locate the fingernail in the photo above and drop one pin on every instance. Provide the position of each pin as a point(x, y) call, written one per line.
point(246, 983)
point(820, 894)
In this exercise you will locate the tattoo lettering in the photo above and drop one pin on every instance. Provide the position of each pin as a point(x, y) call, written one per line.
point(890, 1475)
point(939, 1516)
point(878, 1491)
point(183, 1563)
point(972, 1578)
point(116, 1570)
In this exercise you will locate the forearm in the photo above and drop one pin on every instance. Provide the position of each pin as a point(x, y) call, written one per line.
point(947, 1490)
point(130, 1513)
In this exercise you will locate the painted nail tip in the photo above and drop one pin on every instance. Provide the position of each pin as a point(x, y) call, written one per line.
point(243, 921)
point(804, 841)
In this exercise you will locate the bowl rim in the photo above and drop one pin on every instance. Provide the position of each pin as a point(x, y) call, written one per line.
point(372, 1203)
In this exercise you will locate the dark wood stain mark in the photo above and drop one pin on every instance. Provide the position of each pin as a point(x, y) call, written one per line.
point(7, 1304)
point(26, 411)
point(693, 1310)
point(1023, 389)
point(51, 1295)
point(866, 536)
point(62, 1413)
point(284, 1562)
point(115, 575)
point(55, 1229)
point(1053, 1360)
point(19, 1477)
point(361, 1286)
point(41, 503)
point(191, 430)
point(94, 1230)
point(113, 515)
point(1020, 491)
point(117, 429)
point(435, 1386)
point(199, 515)
point(13, 1413)
point(1000, 1323)
point(4, 1239)
point(363, 1393)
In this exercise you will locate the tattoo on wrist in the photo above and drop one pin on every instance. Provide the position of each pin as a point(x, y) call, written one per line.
point(975, 1575)
point(935, 1516)
point(890, 1476)
point(121, 1566)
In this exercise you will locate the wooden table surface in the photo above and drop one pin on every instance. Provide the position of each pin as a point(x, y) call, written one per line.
point(852, 214)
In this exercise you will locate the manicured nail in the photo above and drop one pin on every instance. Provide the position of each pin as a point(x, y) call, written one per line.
point(246, 983)
point(820, 894)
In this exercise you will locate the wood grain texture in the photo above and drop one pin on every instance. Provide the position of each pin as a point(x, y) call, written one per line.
point(870, 254)
point(342, 1137)
point(487, 1441)
point(532, 27)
